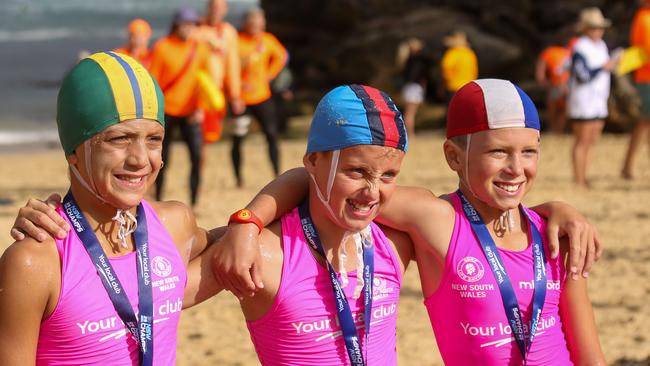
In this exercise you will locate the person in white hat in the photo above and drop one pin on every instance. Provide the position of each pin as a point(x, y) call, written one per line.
point(589, 88)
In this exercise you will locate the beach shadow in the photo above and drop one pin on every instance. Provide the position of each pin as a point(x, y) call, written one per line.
point(40, 192)
point(627, 362)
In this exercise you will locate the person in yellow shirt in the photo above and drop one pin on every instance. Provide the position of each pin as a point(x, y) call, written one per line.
point(459, 63)
point(640, 37)
point(137, 46)
point(262, 58)
point(175, 62)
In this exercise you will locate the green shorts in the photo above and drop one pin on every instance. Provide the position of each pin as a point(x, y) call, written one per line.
point(644, 94)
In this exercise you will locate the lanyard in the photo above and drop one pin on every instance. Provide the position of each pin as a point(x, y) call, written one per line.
point(143, 331)
point(348, 327)
point(510, 304)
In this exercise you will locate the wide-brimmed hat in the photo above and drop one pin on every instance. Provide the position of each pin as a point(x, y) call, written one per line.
point(456, 39)
point(592, 18)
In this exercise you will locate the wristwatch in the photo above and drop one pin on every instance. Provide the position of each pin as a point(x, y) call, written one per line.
point(246, 216)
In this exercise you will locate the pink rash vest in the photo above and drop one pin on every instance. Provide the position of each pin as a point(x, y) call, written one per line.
point(301, 328)
point(84, 328)
point(467, 313)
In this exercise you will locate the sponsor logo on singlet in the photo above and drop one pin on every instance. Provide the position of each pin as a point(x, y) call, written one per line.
point(332, 327)
point(500, 334)
point(530, 285)
point(112, 327)
point(380, 288)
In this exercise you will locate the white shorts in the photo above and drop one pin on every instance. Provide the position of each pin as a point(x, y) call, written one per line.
point(240, 124)
point(413, 93)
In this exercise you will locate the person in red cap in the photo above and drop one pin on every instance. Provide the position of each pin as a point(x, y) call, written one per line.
point(493, 146)
point(137, 46)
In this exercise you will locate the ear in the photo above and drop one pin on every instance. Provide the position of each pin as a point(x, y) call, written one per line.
point(309, 161)
point(73, 159)
point(454, 155)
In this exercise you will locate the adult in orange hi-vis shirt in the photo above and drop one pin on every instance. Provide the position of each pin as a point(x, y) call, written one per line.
point(552, 72)
point(224, 64)
point(640, 37)
point(262, 57)
point(175, 62)
point(137, 46)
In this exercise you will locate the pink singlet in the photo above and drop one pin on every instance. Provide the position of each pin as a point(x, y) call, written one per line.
point(467, 313)
point(85, 328)
point(301, 328)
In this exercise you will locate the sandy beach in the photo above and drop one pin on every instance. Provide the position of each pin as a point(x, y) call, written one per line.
point(214, 333)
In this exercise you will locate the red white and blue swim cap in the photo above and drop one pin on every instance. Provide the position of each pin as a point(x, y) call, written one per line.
point(487, 104)
point(356, 115)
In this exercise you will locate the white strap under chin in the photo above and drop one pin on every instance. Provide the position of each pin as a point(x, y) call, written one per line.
point(330, 183)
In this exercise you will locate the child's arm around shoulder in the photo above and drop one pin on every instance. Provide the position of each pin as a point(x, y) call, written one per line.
point(578, 320)
point(427, 219)
point(29, 284)
point(193, 244)
point(180, 222)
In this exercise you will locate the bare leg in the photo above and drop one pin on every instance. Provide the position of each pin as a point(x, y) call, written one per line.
point(556, 108)
point(410, 110)
point(637, 137)
point(586, 134)
point(595, 132)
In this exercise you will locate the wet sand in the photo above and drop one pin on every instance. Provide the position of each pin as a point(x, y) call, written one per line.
point(214, 333)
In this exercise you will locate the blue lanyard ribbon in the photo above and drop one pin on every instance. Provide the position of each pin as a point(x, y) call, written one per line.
point(348, 327)
point(143, 331)
point(510, 304)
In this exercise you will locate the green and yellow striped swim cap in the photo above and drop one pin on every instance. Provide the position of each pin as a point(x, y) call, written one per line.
point(101, 90)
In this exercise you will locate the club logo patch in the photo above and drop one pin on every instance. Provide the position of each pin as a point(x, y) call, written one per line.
point(161, 266)
point(470, 269)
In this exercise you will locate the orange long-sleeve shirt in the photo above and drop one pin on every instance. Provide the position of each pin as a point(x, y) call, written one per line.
point(262, 58)
point(143, 57)
point(224, 65)
point(640, 37)
point(167, 60)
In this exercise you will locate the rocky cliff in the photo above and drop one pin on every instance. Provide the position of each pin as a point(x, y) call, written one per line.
point(342, 41)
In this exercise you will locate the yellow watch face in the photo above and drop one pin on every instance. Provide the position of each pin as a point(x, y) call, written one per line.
point(244, 215)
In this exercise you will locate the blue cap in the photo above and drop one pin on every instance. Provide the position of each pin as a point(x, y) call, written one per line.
point(352, 115)
point(185, 15)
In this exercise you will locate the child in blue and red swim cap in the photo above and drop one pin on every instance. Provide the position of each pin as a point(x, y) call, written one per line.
point(493, 144)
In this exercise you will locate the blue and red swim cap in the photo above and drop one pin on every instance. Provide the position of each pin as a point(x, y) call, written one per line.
point(356, 115)
point(487, 104)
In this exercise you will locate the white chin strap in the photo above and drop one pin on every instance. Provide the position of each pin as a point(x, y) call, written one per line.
point(125, 219)
point(360, 237)
point(330, 183)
